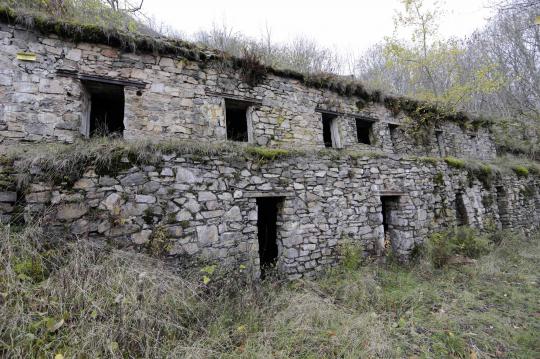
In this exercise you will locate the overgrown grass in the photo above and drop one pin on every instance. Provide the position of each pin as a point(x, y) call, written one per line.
point(81, 300)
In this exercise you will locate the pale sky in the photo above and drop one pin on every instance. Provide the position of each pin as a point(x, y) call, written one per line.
point(344, 25)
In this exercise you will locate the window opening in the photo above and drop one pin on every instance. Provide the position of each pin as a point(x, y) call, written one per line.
point(236, 118)
point(363, 131)
point(104, 107)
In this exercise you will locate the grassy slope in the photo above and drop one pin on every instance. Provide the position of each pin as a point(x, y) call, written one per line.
point(86, 302)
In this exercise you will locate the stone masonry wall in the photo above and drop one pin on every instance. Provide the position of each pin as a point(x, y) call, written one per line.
point(205, 206)
point(173, 97)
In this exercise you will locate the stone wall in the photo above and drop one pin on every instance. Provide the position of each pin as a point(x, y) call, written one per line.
point(173, 97)
point(205, 206)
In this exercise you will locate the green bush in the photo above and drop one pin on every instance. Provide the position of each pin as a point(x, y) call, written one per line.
point(464, 241)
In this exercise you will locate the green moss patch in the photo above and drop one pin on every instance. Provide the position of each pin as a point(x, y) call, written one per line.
point(454, 162)
point(521, 171)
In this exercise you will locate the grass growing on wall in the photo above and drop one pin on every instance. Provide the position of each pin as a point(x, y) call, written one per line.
point(60, 163)
point(80, 300)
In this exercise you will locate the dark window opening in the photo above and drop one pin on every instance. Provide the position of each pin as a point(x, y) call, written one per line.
point(363, 131)
point(267, 232)
point(390, 204)
point(462, 218)
point(236, 120)
point(106, 117)
point(393, 133)
point(328, 128)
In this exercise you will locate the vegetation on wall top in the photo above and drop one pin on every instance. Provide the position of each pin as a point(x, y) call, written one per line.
point(59, 163)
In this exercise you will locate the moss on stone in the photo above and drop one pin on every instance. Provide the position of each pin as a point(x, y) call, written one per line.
point(454, 162)
point(265, 153)
point(521, 171)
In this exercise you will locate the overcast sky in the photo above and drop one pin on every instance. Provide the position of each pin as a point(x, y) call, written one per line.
point(345, 25)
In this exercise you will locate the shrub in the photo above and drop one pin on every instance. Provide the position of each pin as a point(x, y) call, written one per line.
point(464, 241)
point(469, 243)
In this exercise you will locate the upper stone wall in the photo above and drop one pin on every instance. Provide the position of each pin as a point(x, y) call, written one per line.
point(45, 100)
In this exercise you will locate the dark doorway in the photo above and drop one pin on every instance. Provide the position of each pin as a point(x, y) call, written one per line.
point(393, 133)
point(106, 117)
point(363, 131)
point(267, 229)
point(462, 218)
point(327, 120)
point(390, 204)
point(236, 120)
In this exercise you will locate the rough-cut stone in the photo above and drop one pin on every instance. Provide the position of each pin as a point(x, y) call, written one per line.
point(184, 175)
point(134, 179)
point(141, 237)
point(142, 198)
point(71, 211)
point(112, 202)
point(207, 235)
point(8, 196)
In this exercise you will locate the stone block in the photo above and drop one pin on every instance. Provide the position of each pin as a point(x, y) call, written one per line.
point(71, 211)
point(9, 197)
point(143, 198)
point(134, 179)
point(141, 237)
point(207, 235)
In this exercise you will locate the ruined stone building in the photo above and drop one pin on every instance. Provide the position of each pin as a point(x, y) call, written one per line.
point(356, 166)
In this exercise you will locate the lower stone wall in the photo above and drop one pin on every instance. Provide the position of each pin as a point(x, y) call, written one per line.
point(197, 206)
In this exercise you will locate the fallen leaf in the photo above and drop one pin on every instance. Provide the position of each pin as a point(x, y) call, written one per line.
point(53, 326)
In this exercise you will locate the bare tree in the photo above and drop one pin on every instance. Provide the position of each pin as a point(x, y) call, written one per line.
point(125, 5)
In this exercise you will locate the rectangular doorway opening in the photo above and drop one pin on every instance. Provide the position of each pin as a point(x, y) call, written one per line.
point(330, 131)
point(363, 131)
point(390, 206)
point(104, 109)
point(236, 119)
point(462, 219)
point(267, 219)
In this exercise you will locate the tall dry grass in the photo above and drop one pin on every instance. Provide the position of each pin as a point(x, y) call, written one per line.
point(85, 300)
